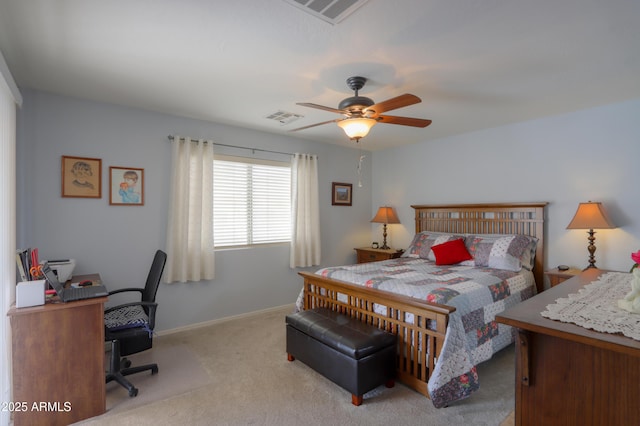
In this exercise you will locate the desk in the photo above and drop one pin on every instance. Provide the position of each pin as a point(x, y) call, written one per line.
point(570, 375)
point(58, 361)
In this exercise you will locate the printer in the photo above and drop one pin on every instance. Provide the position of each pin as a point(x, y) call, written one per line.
point(62, 268)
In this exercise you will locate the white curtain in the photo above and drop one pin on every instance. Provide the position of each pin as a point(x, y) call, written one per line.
point(190, 252)
point(305, 215)
point(10, 98)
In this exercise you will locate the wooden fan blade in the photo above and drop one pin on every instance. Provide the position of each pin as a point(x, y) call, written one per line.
point(317, 124)
point(394, 103)
point(403, 121)
point(325, 108)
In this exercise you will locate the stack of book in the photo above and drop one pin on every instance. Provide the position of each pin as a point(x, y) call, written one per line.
point(24, 260)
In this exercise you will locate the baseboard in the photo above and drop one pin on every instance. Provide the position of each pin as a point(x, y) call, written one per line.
point(223, 320)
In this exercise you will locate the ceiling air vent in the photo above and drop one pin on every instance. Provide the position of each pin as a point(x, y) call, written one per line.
point(284, 117)
point(331, 11)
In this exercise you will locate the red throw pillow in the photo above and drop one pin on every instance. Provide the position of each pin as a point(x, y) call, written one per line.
point(451, 252)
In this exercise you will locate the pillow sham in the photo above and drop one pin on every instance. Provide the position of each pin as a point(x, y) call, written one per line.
point(508, 252)
point(422, 242)
point(451, 252)
point(528, 258)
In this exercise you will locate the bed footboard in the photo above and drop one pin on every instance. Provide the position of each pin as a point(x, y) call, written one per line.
point(420, 326)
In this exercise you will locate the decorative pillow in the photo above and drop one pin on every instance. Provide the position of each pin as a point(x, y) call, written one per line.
point(509, 252)
point(423, 241)
point(126, 317)
point(529, 256)
point(451, 252)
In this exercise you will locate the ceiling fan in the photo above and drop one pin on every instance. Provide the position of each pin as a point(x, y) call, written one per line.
point(361, 113)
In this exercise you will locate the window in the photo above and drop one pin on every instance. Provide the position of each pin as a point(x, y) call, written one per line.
point(251, 202)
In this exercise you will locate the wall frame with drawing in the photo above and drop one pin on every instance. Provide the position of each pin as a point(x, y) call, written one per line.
point(81, 177)
point(126, 186)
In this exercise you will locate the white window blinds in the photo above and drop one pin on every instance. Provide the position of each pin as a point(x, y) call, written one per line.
point(251, 202)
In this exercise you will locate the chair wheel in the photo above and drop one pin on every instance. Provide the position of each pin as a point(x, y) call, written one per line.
point(127, 363)
point(133, 392)
point(154, 370)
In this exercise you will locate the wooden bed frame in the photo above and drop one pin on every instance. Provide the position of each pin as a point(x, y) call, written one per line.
point(430, 320)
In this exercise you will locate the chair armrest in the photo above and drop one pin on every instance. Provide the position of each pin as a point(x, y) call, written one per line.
point(122, 290)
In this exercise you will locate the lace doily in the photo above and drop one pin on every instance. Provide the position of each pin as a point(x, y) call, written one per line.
point(595, 306)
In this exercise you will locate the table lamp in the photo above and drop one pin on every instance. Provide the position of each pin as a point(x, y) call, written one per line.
point(385, 215)
point(591, 215)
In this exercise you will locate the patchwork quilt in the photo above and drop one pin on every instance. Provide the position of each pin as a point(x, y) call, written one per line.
point(477, 293)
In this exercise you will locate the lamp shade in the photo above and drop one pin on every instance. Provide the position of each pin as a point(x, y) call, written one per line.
point(358, 127)
point(386, 215)
point(590, 215)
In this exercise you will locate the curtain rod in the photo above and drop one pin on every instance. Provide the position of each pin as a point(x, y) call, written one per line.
point(171, 137)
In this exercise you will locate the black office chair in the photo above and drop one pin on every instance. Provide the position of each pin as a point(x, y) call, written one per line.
point(129, 327)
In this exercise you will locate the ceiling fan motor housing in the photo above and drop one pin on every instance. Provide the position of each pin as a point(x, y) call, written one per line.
point(355, 103)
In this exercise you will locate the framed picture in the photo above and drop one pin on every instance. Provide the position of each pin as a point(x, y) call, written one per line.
point(126, 186)
point(81, 177)
point(341, 194)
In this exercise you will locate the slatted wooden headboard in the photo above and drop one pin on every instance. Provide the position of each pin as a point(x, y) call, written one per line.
point(502, 218)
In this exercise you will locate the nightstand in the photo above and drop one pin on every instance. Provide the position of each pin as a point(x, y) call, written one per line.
point(557, 276)
point(368, 254)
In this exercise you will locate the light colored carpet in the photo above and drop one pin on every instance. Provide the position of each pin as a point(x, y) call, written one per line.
point(250, 382)
point(179, 371)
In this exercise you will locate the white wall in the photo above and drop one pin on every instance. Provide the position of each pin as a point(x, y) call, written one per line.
point(119, 242)
point(587, 155)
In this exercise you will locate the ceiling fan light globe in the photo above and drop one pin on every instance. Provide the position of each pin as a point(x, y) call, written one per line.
point(357, 128)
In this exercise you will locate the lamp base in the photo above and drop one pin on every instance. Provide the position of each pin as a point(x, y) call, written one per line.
point(384, 238)
point(591, 248)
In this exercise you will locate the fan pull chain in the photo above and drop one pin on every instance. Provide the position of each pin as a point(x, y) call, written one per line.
point(362, 156)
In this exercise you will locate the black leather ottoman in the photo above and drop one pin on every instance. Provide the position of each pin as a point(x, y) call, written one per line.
point(357, 356)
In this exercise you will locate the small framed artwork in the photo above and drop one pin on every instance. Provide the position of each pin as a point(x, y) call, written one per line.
point(81, 177)
point(126, 186)
point(341, 194)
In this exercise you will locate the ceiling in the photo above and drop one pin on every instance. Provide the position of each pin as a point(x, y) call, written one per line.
point(475, 64)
